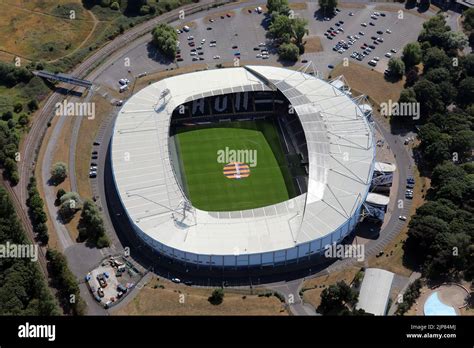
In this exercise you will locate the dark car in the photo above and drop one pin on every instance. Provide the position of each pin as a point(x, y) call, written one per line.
point(96, 143)
point(256, 48)
point(380, 32)
point(94, 157)
point(235, 47)
point(372, 47)
point(94, 152)
point(304, 61)
point(201, 53)
point(188, 282)
point(373, 37)
point(382, 14)
point(330, 66)
point(179, 59)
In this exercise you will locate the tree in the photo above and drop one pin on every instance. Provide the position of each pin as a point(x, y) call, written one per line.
point(217, 297)
point(300, 29)
point(289, 52)
point(466, 91)
point(396, 67)
point(91, 226)
point(455, 40)
point(281, 29)
point(276, 7)
point(435, 57)
point(328, 6)
point(411, 54)
point(70, 203)
point(165, 39)
point(61, 192)
point(428, 96)
point(468, 22)
point(58, 172)
point(407, 96)
point(336, 299)
point(438, 75)
point(434, 31)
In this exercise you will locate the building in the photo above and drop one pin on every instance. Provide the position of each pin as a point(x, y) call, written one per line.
point(339, 143)
point(375, 291)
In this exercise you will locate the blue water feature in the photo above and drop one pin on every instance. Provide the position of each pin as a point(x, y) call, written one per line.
point(434, 306)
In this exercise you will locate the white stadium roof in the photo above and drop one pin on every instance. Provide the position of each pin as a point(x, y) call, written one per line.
point(341, 159)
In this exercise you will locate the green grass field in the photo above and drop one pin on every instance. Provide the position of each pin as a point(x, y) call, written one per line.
point(210, 190)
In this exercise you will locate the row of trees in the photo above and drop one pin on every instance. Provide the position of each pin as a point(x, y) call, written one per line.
point(9, 155)
point(447, 77)
point(288, 31)
point(409, 297)
point(37, 214)
point(10, 75)
point(441, 233)
point(91, 225)
point(23, 289)
point(66, 282)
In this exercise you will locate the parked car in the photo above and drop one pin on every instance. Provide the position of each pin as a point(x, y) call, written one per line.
point(176, 280)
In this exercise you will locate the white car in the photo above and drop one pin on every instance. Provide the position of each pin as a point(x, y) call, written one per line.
point(191, 37)
point(376, 59)
point(393, 50)
point(216, 57)
point(388, 31)
point(265, 57)
point(193, 53)
point(212, 45)
point(176, 280)
point(402, 217)
point(258, 56)
point(351, 14)
point(203, 40)
point(388, 55)
point(178, 31)
point(363, 24)
point(261, 44)
point(195, 59)
point(361, 33)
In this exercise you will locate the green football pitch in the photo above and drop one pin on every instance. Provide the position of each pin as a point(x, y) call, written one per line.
point(209, 189)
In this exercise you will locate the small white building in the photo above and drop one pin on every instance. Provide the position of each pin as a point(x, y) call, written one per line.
point(375, 291)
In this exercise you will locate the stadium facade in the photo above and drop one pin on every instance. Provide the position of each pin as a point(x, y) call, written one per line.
point(338, 142)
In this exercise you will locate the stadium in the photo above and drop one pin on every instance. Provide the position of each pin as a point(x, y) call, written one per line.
point(242, 167)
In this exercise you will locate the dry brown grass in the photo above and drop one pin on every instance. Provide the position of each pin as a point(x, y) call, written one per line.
point(313, 44)
point(313, 294)
point(87, 134)
point(217, 16)
point(350, 5)
point(177, 299)
point(299, 6)
point(369, 82)
point(27, 27)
